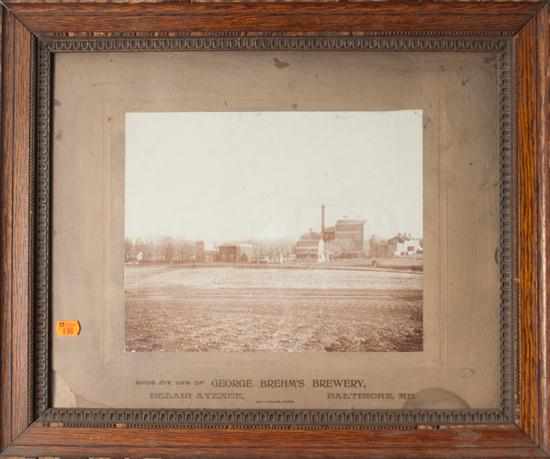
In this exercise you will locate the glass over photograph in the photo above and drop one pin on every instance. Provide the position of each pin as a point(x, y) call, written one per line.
point(274, 231)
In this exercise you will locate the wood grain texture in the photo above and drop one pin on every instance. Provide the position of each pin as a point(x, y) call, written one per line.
point(445, 443)
point(304, 452)
point(21, 298)
point(320, 17)
point(533, 161)
point(527, 224)
point(15, 225)
point(527, 227)
point(6, 196)
point(543, 116)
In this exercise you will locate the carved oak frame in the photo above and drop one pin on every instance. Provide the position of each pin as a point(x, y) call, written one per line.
point(33, 32)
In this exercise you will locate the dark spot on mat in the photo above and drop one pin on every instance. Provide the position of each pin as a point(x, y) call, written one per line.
point(280, 64)
point(436, 398)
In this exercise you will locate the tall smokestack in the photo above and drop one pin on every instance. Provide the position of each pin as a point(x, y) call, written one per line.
point(323, 222)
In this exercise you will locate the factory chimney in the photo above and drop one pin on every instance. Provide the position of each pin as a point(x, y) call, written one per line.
point(323, 222)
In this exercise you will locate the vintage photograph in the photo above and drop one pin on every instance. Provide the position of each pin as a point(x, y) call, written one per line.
point(274, 231)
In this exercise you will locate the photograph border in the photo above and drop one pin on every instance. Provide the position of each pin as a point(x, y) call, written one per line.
point(271, 418)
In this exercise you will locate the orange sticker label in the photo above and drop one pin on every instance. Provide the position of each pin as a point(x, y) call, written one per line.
point(67, 328)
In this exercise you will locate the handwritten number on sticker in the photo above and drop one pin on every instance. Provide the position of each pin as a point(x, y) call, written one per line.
point(67, 328)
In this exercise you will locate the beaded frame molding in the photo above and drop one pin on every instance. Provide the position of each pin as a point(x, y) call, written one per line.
point(268, 418)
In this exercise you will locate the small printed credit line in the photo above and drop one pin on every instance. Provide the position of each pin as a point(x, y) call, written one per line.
point(275, 401)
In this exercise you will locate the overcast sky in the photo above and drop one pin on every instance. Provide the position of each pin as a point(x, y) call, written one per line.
point(221, 176)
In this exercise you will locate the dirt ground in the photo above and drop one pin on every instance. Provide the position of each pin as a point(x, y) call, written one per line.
point(180, 308)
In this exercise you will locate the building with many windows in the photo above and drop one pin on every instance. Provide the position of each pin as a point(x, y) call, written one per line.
point(307, 247)
point(343, 240)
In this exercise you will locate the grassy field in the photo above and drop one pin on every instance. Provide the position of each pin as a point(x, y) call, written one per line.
point(179, 308)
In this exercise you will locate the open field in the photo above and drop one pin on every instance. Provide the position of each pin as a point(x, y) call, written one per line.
point(228, 308)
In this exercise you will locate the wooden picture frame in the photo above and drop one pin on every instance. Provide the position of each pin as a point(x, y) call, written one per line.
point(32, 31)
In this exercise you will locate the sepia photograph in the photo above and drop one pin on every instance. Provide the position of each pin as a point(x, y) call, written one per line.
point(274, 231)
